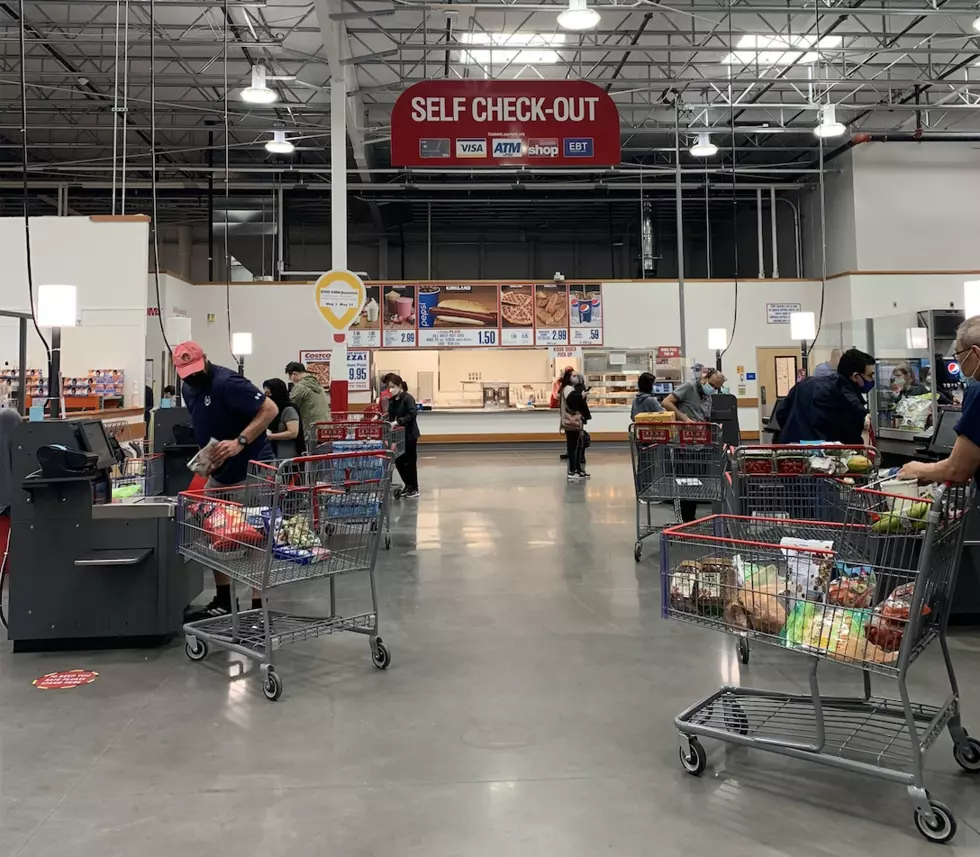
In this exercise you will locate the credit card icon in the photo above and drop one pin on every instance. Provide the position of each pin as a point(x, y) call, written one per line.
point(434, 147)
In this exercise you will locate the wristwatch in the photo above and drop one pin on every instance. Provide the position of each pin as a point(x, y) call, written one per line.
point(242, 440)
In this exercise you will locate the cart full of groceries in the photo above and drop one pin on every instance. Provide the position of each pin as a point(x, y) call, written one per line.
point(870, 591)
point(672, 462)
point(292, 521)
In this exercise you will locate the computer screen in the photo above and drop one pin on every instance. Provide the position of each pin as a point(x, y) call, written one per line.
point(96, 440)
point(664, 387)
point(944, 437)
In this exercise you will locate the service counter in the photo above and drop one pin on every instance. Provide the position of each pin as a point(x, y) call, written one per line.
point(514, 425)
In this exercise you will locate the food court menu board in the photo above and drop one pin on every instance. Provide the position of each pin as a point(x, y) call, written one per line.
point(438, 315)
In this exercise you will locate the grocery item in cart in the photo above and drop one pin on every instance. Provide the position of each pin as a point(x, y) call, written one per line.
point(229, 529)
point(702, 586)
point(887, 625)
point(758, 608)
point(654, 417)
point(808, 572)
point(201, 462)
point(836, 632)
point(852, 586)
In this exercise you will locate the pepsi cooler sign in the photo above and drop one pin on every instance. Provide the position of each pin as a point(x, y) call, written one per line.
point(518, 121)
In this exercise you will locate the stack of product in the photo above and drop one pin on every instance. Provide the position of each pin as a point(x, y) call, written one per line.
point(98, 382)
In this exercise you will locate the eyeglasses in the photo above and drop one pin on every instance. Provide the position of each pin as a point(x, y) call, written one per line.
point(957, 354)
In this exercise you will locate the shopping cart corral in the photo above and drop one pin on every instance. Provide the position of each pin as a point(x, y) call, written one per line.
point(810, 482)
point(871, 592)
point(673, 462)
point(301, 519)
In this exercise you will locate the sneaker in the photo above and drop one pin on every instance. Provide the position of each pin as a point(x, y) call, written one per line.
point(583, 475)
point(410, 495)
point(214, 610)
point(573, 477)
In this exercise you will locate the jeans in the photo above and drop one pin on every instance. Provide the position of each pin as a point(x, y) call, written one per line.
point(407, 464)
point(689, 511)
point(573, 447)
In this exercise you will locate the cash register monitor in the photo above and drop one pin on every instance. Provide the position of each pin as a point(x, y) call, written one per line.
point(95, 439)
point(944, 436)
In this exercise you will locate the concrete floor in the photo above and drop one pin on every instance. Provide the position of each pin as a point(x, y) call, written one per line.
point(528, 711)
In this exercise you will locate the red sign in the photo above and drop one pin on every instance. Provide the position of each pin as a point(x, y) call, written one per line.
point(65, 680)
point(668, 352)
point(482, 123)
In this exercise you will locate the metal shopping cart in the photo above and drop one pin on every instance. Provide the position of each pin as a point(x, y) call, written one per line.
point(673, 462)
point(297, 520)
point(138, 477)
point(874, 596)
point(355, 436)
point(810, 482)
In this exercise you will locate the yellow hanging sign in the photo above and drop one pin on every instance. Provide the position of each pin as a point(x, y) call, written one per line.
point(340, 296)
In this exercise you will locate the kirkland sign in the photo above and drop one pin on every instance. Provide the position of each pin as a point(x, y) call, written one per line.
point(460, 123)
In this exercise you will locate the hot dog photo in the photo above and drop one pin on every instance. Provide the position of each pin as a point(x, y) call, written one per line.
point(461, 306)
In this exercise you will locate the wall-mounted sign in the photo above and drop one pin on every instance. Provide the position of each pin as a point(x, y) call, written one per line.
point(779, 313)
point(473, 123)
point(585, 314)
point(551, 314)
point(317, 363)
point(459, 316)
point(365, 329)
point(668, 352)
point(340, 297)
point(565, 352)
point(517, 316)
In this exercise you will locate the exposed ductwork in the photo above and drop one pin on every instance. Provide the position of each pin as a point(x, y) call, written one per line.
point(647, 243)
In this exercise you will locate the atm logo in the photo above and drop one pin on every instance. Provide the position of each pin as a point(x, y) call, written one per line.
point(507, 147)
point(578, 147)
point(471, 148)
point(542, 148)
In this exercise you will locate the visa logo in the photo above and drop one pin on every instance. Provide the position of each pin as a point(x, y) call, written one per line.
point(507, 148)
point(542, 148)
point(471, 148)
point(578, 147)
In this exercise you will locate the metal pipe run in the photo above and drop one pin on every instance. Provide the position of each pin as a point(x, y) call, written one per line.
point(775, 242)
point(758, 213)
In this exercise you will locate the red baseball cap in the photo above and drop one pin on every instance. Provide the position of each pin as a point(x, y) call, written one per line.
point(188, 359)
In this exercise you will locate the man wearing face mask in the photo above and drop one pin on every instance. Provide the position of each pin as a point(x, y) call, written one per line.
point(690, 402)
point(830, 408)
point(964, 461)
point(225, 406)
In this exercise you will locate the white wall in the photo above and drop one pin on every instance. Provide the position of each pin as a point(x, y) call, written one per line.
point(175, 300)
point(839, 219)
point(107, 261)
point(641, 315)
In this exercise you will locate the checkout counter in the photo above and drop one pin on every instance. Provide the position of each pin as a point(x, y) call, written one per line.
point(86, 571)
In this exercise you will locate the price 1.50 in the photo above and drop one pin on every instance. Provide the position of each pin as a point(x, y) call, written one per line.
point(487, 337)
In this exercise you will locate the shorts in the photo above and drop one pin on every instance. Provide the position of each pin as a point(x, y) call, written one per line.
point(213, 483)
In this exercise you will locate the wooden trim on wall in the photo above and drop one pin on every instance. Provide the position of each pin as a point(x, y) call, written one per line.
point(388, 282)
point(901, 274)
point(119, 218)
point(748, 403)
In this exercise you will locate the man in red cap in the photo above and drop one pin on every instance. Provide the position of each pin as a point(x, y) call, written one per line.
point(227, 407)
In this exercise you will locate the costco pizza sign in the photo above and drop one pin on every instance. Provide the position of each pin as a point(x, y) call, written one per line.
point(504, 123)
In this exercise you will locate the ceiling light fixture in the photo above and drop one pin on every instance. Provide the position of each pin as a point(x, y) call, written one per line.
point(279, 145)
point(976, 24)
point(578, 16)
point(704, 148)
point(829, 126)
point(258, 92)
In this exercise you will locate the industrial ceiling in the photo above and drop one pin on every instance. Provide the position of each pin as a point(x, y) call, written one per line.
point(752, 73)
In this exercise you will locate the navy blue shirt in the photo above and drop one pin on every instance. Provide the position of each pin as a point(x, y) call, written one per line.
point(968, 425)
point(221, 411)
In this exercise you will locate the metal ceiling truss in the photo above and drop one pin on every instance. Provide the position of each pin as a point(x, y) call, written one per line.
point(892, 65)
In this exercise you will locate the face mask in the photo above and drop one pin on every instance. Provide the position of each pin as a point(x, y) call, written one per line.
point(968, 380)
point(867, 386)
point(197, 381)
point(708, 389)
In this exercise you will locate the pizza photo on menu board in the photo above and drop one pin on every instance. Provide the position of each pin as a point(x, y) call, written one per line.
point(516, 306)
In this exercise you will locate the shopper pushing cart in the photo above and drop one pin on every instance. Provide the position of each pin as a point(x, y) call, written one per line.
point(678, 462)
point(872, 592)
point(298, 520)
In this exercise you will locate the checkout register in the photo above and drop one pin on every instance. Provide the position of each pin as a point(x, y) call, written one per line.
point(84, 570)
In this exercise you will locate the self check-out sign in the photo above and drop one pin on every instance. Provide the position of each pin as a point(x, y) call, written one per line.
point(504, 122)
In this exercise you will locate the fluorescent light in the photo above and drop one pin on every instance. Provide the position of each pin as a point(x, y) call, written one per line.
point(258, 92)
point(971, 298)
point(916, 337)
point(976, 24)
point(506, 48)
point(57, 306)
point(578, 16)
point(717, 338)
point(241, 344)
point(802, 325)
point(279, 145)
point(829, 126)
point(780, 50)
point(704, 148)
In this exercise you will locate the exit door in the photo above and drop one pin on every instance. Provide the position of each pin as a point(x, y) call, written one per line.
point(777, 369)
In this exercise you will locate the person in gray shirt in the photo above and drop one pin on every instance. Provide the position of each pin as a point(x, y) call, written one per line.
point(689, 401)
point(645, 401)
point(285, 431)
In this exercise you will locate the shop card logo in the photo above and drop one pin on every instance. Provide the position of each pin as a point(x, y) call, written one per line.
point(578, 147)
point(471, 148)
point(507, 147)
point(542, 148)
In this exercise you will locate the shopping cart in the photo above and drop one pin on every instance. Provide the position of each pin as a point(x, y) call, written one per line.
point(138, 477)
point(297, 520)
point(673, 462)
point(873, 596)
point(810, 482)
point(356, 436)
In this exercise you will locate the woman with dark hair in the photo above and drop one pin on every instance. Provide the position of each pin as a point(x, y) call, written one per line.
point(575, 414)
point(403, 411)
point(645, 401)
point(286, 430)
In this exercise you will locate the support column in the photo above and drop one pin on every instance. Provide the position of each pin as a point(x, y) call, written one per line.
point(762, 252)
point(185, 245)
point(338, 221)
point(679, 197)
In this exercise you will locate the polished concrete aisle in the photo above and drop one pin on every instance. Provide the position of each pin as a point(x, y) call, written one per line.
point(528, 711)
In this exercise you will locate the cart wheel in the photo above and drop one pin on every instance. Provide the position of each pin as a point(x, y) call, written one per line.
point(967, 755)
point(272, 685)
point(944, 827)
point(387, 541)
point(196, 650)
point(380, 656)
point(396, 493)
point(735, 719)
point(695, 760)
point(374, 526)
point(637, 551)
point(743, 650)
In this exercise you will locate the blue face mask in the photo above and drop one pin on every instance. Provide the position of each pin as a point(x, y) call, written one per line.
point(708, 390)
point(868, 386)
